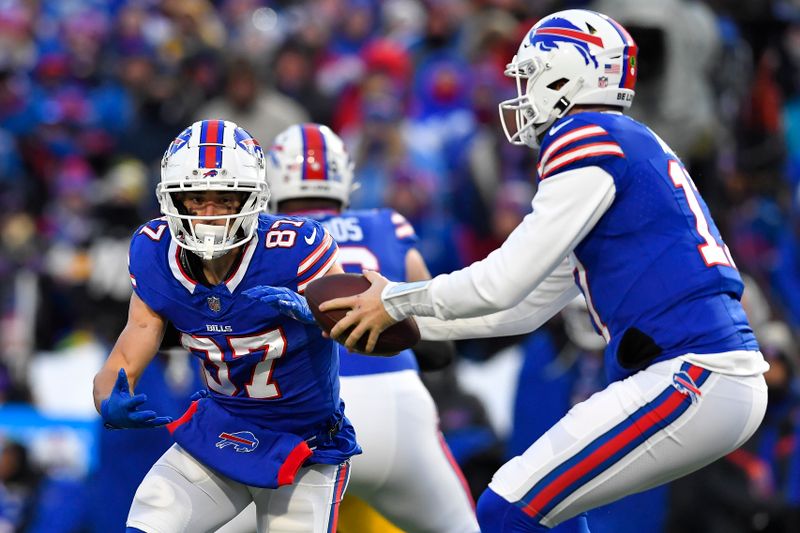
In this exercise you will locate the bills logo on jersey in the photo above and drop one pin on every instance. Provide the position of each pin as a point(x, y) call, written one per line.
point(684, 384)
point(242, 441)
point(559, 30)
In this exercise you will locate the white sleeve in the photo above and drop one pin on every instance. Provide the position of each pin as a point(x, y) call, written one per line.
point(547, 299)
point(565, 208)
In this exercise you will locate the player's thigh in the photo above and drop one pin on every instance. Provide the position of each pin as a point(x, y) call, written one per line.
point(180, 494)
point(636, 434)
point(244, 522)
point(416, 483)
point(371, 405)
point(310, 504)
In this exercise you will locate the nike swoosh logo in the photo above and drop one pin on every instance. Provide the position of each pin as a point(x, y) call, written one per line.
point(310, 238)
point(555, 129)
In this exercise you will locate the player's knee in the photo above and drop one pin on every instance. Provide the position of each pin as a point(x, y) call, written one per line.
point(498, 515)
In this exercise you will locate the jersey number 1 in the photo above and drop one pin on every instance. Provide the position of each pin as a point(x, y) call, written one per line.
point(713, 254)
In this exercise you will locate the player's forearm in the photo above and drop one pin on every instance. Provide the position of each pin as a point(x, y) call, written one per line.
point(133, 351)
point(565, 209)
point(103, 383)
point(545, 301)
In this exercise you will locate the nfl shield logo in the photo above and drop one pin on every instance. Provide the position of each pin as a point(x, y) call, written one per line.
point(214, 304)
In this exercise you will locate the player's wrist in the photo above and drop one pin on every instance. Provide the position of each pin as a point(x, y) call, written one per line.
point(398, 298)
point(109, 420)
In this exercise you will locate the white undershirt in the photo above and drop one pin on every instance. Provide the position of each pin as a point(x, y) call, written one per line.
point(523, 283)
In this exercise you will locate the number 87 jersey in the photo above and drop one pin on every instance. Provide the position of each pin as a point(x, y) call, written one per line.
point(255, 360)
point(657, 277)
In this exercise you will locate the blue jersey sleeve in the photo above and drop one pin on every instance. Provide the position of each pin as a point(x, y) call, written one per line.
point(318, 253)
point(574, 143)
point(148, 241)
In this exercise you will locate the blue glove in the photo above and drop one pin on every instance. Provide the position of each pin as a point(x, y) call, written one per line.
point(119, 411)
point(284, 301)
point(199, 395)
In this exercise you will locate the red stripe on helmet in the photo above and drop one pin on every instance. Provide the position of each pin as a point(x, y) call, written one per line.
point(314, 162)
point(630, 68)
point(212, 136)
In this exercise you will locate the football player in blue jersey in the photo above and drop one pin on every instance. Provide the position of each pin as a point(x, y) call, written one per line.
point(617, 217)
point(406, 471)
point(270, 428)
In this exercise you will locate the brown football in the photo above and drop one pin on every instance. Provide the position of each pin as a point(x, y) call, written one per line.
point(395, 338)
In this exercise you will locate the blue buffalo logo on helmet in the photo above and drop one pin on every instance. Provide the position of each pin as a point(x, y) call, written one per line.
point(559, 30)
point(242, 441)
point(248, 142)
point(179, 142)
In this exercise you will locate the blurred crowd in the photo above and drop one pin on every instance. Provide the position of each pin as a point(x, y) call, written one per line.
point(92, 92)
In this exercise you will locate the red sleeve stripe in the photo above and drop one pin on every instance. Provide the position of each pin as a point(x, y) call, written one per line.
point(309, 261)
point(301, 287)
point(133, 280)
point(406, 230)
point(575, 135)
point(589, 150)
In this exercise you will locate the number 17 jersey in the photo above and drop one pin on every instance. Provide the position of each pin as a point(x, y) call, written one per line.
point(657, 277)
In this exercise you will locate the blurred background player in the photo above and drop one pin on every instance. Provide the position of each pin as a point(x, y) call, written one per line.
point(406, 471)
point(617, 217)
point(271, 429)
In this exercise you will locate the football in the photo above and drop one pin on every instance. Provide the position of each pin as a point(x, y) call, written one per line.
point(395, 338)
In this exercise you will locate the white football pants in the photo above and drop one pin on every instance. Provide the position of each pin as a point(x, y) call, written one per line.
point(660, 424)
point(179, 494)
point(406, 471)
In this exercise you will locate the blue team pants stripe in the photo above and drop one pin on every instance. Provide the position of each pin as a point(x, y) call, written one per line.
point(342, 475)
point(610, 447)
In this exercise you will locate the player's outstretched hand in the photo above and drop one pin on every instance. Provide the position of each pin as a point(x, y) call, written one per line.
point(366, 315)
point(120, 410)
point(283, 300)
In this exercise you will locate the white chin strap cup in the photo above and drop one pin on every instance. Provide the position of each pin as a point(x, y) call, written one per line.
point(211, 236)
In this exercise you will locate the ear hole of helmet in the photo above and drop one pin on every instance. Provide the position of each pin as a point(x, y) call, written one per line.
point(559, 83)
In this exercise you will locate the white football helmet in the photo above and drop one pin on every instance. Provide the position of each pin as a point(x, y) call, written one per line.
point(309, 161)
point(213, 155)
point(570, 57)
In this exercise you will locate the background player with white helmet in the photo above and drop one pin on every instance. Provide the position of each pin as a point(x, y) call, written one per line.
point(271, 428)
point(406, 471)
point(617, 217)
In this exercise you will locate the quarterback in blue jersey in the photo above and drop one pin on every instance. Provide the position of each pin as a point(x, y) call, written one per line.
point(271, 427)
point(617, 217)
point(406, 471)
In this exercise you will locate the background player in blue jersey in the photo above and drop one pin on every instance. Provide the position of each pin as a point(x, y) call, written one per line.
point(617, 216)
point(271, 429)
point(406, 471)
